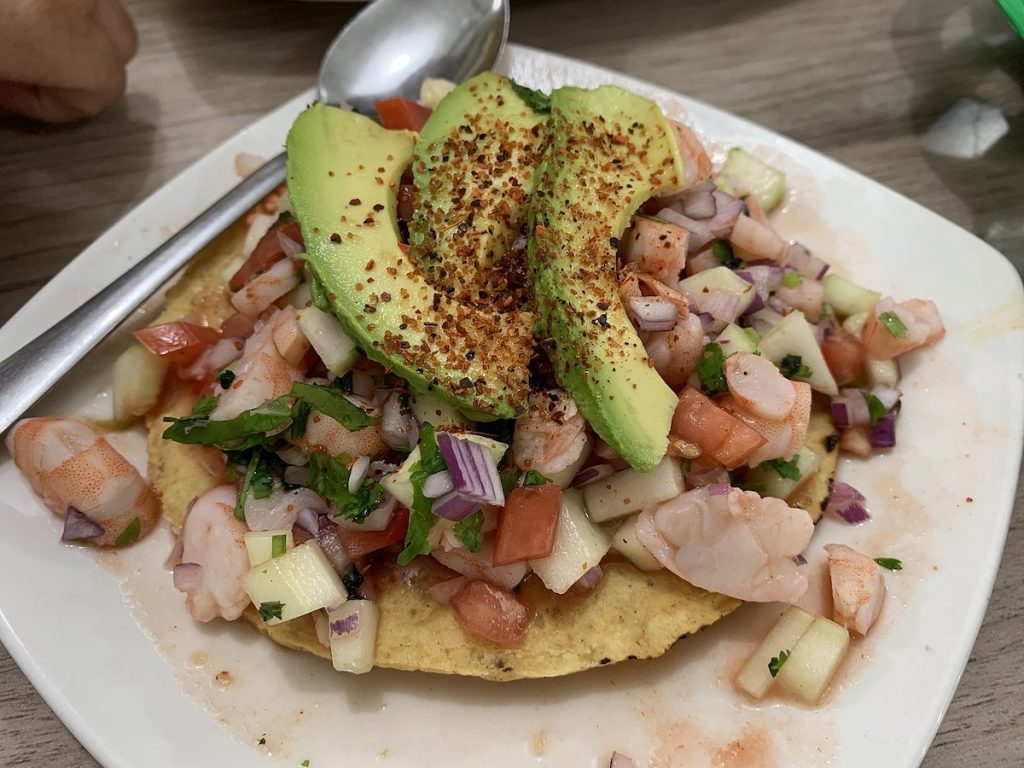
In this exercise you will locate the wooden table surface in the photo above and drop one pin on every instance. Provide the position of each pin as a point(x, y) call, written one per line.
point(860, 81)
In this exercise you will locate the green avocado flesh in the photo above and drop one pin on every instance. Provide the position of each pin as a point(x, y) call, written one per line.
point(610, 151)
point(343, 174)
point(473, 172)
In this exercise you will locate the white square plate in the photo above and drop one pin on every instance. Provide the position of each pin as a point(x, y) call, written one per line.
point(108, 643)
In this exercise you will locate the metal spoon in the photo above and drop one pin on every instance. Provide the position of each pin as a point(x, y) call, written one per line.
point(386, 50)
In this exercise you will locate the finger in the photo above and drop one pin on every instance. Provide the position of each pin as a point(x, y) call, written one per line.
point(112, 17)
point(56, 105)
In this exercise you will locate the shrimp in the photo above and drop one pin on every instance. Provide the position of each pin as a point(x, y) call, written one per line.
point(552, 436)
point(893, 329)
point(696, 163)
point(758, 394)
point(807, 297)
point(71, 465)
point(858, 588)
point(257, 295)
point(262, 374)
point(657, 248)
point(757, 239)
point(329, 436)
point(675, 353)
point(730, 541)
point(214, 558)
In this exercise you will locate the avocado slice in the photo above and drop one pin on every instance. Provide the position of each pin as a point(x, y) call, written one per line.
point(473, 173)
point(610, 151)
point(343, 174)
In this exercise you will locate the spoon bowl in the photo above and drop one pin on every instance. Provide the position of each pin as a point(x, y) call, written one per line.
point(374, 58)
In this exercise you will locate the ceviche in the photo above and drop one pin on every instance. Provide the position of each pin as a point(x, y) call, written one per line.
point(505, 384)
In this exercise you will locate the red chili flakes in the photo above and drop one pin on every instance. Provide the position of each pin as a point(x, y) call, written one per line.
point(355, 201)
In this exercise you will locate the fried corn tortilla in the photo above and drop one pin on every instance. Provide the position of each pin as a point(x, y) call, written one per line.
point(630, 615)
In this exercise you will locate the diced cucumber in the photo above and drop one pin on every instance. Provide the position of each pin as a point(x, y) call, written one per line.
point(626, 543)
point(846, 297)
point(433, 89)
point(564, 478)
point(630, 491)
point(260, 544)
point(579, 546)
point(794, 336)
point(495, 447)
point(768, 482)
point(299, 582)
point(735, 339)
point(353, 633)
point(325, 333)
point(814, 660)
point(744, 174)
point(855, 323)
point(882, 373)
point(399, 482)
point(431, 410)
point(698, 287)
point(767, 316)
point(755, 677)
point(138, 380)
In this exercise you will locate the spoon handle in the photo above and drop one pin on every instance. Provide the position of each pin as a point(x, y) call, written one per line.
point(29, 373)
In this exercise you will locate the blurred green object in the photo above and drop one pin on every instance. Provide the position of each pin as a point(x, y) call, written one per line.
point(1014, 9)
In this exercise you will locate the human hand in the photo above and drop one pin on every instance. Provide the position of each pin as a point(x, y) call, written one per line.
point(63, 60)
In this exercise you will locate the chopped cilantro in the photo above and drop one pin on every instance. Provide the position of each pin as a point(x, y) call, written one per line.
point(421, 516)
point(278, 544)
point(467, 530)
point(344, 383)
point(130, 533)
point(304, 764)
point(353, 580)
point(430, 455)
point(792, 367)
point(226, 378)
point(709, 369)
point(723, 252)
point(890, 563)
point(271, 610)
point(246, 430)
point(792, 279)
point(784, 469)
point(875, 408)
point(538, 101)
point(300, 416)
point(776, 663)
point(533, 477)
point(204, 405)
point(250, 473)
point(328, 476)
point(332, 402)
point(509, 480)
point(893, 324)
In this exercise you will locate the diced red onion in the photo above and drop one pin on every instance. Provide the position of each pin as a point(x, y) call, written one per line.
point(847, 503)
point(77, 526)
point(329, 538)
point(721, 305)
point(590, 579)
point(800, 560)
point(445, 590)
point(764, 277)
point(701, 261)
point(188, 577)
point(653, 313)
point(840, 412)
point(289, 246)
point(362, 384)
point(357, 474)
point(380, 468)
point(887, 396)
point(883, 434)
point(397, 424)
point(778, 305)
point(438, 485)
point(718, 489)
point(727, 210)
point(296, 476)
point(472, 469)
point(455, 505)
point(308, 520)
point(804, 262)
point(593, 474)
point(345, 626)
point(697, 202)
point(700, 232)
point(850, 409)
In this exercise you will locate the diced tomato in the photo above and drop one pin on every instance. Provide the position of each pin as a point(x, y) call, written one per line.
point(180, 342)
point(238, 326)
point(402, 114)
point(491, 613)
point(267, 253)
point(526, 527)
point(719, 434)
point(361, 543)
point(844, 354)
